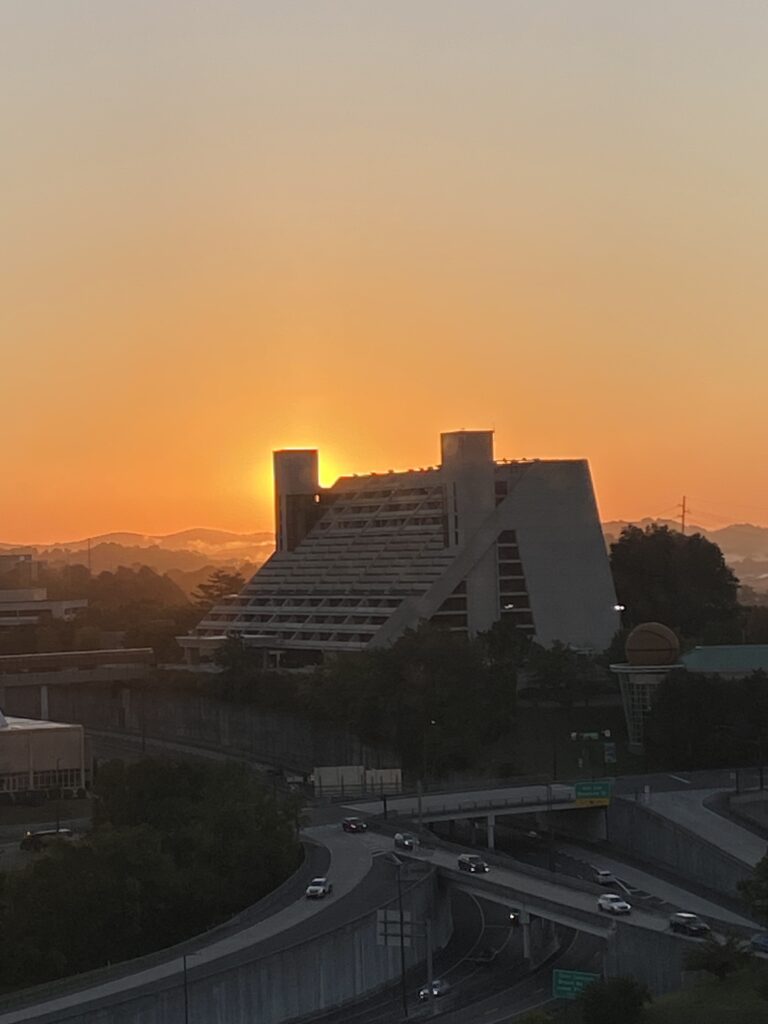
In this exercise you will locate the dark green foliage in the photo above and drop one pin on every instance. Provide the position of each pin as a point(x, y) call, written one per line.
point(719, 957)
point(176, 849)
point(614, 1001)
point(682, 581)
point(221, 583)
point(755, 889)
point(703, 721)
point(760, 983)
point(562, 674)
point(150, 609)
point(435, 697)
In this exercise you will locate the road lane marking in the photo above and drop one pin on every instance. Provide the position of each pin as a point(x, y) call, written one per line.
point(679, 778)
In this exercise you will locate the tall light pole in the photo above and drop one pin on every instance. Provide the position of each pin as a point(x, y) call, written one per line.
point(403, 987)
point(186, 988)
point(58, 793)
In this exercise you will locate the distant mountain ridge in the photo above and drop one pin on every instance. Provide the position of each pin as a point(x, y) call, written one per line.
point(190, 552)
point(184, 552)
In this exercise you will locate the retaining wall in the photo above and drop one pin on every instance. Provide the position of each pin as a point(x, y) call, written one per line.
point(655, 958)
point(187, 715)
point(304, 977)
point(643, 833)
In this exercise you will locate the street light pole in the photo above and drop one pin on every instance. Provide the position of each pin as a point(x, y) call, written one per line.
point(404, 990)
point(186, 991)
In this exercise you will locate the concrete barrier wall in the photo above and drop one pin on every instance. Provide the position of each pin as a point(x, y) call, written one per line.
point(641, 832)
point(297, 981)
point(655, 958)
point(186, 715)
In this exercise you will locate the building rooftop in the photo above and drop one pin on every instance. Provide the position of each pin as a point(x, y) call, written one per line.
point(33, 725)
point(727, 659)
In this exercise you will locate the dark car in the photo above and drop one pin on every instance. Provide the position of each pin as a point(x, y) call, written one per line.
point(45, 837)
point(437, 989)
point(688, 924)
point(354, 825)
point(471, 862)
point(405, 841)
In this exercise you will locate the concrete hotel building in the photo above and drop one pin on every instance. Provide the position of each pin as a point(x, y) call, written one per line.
point(462, 545)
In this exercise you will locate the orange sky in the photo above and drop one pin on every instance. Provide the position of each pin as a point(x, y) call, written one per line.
point(230, 227)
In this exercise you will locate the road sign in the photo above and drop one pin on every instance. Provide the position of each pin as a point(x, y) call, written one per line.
point(570, 984)
point(592, 794)
point(609, 753)
point(388, 928)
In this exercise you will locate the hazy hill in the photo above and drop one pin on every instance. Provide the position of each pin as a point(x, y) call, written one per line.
point(189, 551)
point(189, 556)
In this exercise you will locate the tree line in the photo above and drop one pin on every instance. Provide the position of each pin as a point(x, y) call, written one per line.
point(175, 849)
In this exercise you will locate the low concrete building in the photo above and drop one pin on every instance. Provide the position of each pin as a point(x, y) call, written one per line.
point(30, 607)
point(26, 679)
point(39, 756)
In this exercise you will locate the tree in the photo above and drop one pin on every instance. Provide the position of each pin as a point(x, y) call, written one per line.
point(702, 721)
point(720, 957)
point(611, 1000)
point(177, 848)
point(755, 889)
point(220, 584)
point(562, 674)
point(680, 580)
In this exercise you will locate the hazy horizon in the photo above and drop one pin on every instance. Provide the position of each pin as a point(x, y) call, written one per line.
point(233, 227)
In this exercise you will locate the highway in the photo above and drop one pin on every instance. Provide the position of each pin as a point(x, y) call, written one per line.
point(350, 864)
point(521, 799)
point(687, 809)
point(362, 881)
point(638, 884)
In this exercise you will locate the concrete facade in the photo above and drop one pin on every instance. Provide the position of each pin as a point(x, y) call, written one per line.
point(301, 979)
point(463, 544)
point(38, 755)
point(31, 606)
point(184, 715)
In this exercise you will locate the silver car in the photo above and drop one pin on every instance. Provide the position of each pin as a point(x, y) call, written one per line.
point(318, 888)
point(610, 903)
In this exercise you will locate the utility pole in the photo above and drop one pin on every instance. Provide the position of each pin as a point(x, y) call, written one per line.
point(186, 990)
point(403, 986)
point(683, 512)
point(430, 970)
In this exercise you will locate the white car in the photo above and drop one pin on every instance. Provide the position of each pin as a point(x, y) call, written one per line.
point(318, 888)
point(603, 877)
point(610, 903)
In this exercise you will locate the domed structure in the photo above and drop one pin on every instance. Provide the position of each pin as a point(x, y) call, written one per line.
point(652, 643)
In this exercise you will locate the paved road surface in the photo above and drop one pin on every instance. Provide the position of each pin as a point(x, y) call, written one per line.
point(350, 863)
point(687, 809)
point(670, 893)
point(530, 796)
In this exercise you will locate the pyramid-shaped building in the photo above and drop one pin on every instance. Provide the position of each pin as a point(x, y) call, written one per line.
point(462, 545)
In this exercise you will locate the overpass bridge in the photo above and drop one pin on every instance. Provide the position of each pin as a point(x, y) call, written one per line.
point(490, 804)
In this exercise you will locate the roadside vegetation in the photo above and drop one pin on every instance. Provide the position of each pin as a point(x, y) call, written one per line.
point(176, 848)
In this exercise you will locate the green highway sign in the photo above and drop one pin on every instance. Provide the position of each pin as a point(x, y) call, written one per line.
point(593, 794)
point(570, 984)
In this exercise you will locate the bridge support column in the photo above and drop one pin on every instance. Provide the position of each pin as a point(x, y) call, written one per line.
point(44, 703)
point(491, 826)
point(525, 921)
